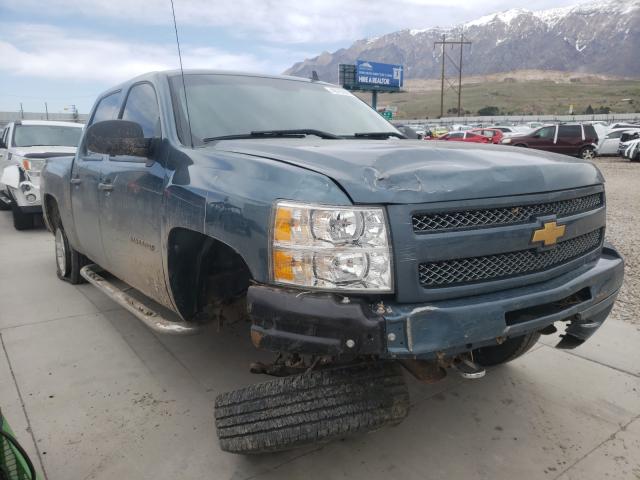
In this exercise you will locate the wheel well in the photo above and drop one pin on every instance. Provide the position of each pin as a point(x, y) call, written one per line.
point(205, 275)
point(50, 212)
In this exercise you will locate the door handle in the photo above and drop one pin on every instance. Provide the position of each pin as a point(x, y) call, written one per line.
point(75, 181)
point(105, 186)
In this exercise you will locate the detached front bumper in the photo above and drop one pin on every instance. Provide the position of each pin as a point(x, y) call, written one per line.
point(325, 324)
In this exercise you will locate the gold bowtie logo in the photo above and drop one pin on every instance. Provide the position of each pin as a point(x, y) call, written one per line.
point(548, 234)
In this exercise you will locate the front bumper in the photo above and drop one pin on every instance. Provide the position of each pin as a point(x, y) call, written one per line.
point(286, 320)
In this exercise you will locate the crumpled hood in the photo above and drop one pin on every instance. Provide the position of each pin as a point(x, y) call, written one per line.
point(415, 171)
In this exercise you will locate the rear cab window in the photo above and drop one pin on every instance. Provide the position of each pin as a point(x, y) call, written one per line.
point(108, 108)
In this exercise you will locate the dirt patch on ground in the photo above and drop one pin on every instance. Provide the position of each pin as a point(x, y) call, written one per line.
point(623, 229)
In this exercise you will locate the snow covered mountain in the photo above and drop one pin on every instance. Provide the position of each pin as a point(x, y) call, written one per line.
point(601, 37)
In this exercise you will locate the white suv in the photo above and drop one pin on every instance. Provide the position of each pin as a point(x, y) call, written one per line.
point(24, 148)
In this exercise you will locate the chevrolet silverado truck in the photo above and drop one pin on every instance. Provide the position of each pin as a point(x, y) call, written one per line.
point(351, 253)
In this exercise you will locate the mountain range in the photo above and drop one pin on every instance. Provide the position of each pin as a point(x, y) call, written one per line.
point(599, 38)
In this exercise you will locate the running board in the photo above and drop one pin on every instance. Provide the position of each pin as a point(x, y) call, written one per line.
point(142, 312)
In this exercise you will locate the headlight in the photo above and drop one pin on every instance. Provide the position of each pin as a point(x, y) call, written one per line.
point(506, 140)
point(32, 165)
point(333, 248)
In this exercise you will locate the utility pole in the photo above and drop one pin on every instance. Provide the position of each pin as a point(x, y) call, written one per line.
point(460, 75)
point(21, 112)
point(445, 42)
point(46, 109)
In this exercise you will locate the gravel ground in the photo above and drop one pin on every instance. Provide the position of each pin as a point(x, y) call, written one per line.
point(623, 229)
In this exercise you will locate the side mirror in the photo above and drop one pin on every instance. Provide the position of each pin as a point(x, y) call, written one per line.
point(537, 135)
point(117, 137)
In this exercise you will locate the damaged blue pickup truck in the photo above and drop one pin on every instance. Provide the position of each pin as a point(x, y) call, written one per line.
point(350, 252)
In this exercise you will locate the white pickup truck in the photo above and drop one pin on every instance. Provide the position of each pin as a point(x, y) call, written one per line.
point(24, 148)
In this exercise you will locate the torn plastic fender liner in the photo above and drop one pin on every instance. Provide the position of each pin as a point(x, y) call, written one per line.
point(286, 320)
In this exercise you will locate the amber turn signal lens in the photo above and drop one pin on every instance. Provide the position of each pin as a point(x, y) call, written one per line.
point(282, 266)
point(283, 223)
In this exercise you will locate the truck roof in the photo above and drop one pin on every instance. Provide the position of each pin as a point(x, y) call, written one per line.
point(172, 73)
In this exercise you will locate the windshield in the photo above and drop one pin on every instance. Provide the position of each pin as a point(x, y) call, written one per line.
point(32, 135)
point(223, 105)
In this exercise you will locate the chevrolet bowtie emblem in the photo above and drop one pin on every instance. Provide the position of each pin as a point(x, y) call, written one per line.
point(548, 234)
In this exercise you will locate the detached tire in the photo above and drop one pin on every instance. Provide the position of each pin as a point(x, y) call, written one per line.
point(317, 406)
point(21, 220)
point(68, 261)
point(511, 349)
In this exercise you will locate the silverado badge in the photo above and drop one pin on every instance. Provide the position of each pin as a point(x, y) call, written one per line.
point(548, 234)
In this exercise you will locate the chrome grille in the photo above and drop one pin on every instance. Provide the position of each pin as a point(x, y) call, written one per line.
point(494, 267)
point(463, 219)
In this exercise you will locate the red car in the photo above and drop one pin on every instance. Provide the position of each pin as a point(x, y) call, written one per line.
point(494, 134)
point(467, 136)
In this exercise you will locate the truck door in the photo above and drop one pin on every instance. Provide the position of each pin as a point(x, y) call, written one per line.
point(543, 139)
point(131, 202)
point(569, 139)
point(85, 179)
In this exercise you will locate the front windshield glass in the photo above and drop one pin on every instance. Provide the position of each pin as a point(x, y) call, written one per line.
point(221, 105)
point(33, 135)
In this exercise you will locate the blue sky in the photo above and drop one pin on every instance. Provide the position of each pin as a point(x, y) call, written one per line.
point(65, 52)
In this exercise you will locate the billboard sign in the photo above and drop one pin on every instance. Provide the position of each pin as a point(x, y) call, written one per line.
point(381, 76)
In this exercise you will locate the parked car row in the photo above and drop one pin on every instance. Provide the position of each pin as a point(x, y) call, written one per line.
point(584, 140)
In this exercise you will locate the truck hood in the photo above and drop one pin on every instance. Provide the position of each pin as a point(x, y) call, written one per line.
point(56, 150)
point(415, 171)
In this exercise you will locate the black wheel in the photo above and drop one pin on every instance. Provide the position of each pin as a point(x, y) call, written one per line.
point(317, 406)
point(587, 153)
point(68, 261)
point(5, 205)
point(21, 220)
point(511, 349)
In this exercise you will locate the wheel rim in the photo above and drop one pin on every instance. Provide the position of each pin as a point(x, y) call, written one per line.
point(587, 154)
point(61, 252)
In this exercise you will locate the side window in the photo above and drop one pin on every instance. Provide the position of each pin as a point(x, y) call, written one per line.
point(547, 132)
point(614, 135)
point(570, 131)
point(456, 135)
point(107, 108)
point(142, 107)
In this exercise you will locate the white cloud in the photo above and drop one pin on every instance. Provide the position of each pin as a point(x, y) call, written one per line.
point(283, 21)
point(50, 52)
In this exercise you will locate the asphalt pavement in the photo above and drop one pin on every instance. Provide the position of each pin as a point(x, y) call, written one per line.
point(93, 394)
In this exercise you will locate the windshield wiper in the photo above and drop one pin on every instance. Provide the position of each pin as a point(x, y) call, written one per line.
point(296, 133)
point(378, 135)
